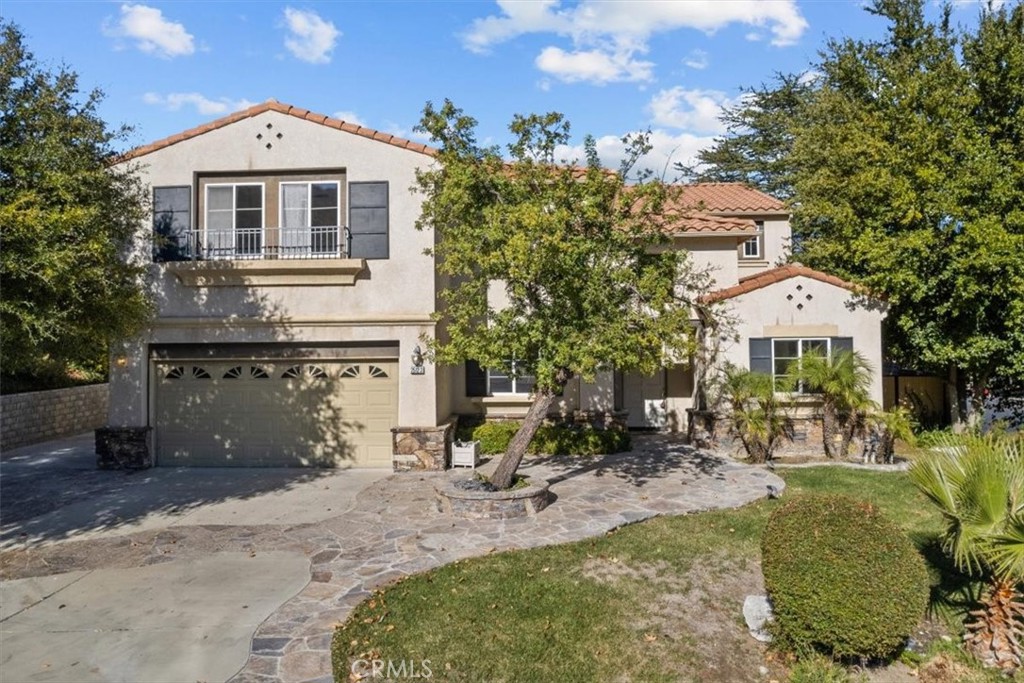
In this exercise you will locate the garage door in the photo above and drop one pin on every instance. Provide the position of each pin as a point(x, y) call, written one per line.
point(275, 413)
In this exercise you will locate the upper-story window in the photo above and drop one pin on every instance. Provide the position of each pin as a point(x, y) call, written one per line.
point(310, 217)
point(283, 215)
point(234, 220)
point(753, 247)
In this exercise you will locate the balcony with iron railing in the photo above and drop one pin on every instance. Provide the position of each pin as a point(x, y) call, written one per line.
point(262, 256)
point(318, 242)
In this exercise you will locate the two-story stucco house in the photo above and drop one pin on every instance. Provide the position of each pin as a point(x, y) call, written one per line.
point(293, 291)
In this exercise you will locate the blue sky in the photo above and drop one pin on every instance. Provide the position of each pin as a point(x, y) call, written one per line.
point(612, 67)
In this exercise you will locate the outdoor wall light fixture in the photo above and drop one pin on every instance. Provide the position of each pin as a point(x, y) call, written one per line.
point(121, 361)
point(417, 361)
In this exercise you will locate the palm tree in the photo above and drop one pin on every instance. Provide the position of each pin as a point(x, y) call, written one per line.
point(756, 415)
point(842, 380)
point(977, 482)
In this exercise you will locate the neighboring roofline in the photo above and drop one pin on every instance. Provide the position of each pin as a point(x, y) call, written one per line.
point(715, 226)
point(280, 108)
point(748, 212)
point(772, 206)
point(767, 278)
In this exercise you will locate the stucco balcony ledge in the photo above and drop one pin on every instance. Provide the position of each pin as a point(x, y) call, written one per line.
point(267, 273)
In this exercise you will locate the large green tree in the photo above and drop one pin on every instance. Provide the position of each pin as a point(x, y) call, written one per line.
point(905, 160)
point(66, 222)
point(572, 252)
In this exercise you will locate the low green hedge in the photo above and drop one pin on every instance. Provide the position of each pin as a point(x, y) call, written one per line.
point(494, 438)
point(843, 579)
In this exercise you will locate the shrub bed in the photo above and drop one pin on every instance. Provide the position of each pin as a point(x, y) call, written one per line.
point(494, 438)
point(843, 579)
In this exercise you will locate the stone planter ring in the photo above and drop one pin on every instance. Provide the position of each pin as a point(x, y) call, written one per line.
point(460, 498)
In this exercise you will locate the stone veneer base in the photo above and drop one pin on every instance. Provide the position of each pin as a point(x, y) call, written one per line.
point(522, 502)
point(123, 448)
point(422, 449)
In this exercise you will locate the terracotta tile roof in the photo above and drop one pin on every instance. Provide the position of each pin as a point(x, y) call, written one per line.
point(769, 277)
point(690, 222)
point(724, 198)
point(281, 108)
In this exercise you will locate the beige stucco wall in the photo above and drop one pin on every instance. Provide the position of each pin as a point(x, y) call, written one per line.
point(717, 252)
point(390, 301)
point(767, 312)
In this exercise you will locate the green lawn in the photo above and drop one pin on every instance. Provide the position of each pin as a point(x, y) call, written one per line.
point(656, 601)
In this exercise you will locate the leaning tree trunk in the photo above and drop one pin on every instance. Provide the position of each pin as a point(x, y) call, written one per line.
point(994, 637)
point(502, 477)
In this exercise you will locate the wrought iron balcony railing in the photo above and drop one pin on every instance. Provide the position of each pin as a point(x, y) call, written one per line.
point(319, 242)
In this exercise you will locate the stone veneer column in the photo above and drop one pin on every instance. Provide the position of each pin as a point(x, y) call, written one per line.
point(124, 448)
point(422, 449)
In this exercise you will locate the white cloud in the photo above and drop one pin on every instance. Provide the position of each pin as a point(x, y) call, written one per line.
point(176, 100)
point(692, 110)
point(310, 38)
point(151, 31)
point(594, 66)
point(666, 150)
point(697, 59)
point(810, 76)
point(348, 117)
point(519, 18)
point(401, 131)
point(606, 34)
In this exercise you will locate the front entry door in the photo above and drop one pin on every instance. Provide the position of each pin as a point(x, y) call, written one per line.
point(644, 398)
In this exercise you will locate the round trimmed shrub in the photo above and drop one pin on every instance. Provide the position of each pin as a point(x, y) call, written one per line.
point(843, 579)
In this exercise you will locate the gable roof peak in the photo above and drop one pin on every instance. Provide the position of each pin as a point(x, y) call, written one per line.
point(766, 278)
point(272, 104)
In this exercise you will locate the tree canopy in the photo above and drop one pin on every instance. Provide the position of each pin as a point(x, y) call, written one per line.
point(553, 269)
point(903, 159)
point(67, 218)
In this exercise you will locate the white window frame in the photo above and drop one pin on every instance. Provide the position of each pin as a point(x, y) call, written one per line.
point(800, 390)
point(235, 254)
point(309, 209)
point(516, 391)
point(756, 241)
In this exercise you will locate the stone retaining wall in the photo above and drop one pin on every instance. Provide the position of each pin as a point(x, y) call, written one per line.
point(42, 415)
point(711, 432)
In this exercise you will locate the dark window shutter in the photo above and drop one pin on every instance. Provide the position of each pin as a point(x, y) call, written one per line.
point(172, 220)
point(761, 355)
point(476, 379)
point(368, 220)
point(842, 344)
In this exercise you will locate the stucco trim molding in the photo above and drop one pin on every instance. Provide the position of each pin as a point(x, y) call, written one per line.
point(270, 273)
point(352, 321)
point(822, 330)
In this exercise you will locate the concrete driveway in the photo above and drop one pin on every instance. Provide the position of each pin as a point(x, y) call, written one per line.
point(173, 618)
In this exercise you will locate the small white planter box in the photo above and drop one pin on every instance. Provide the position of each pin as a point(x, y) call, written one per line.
point(465, 453)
